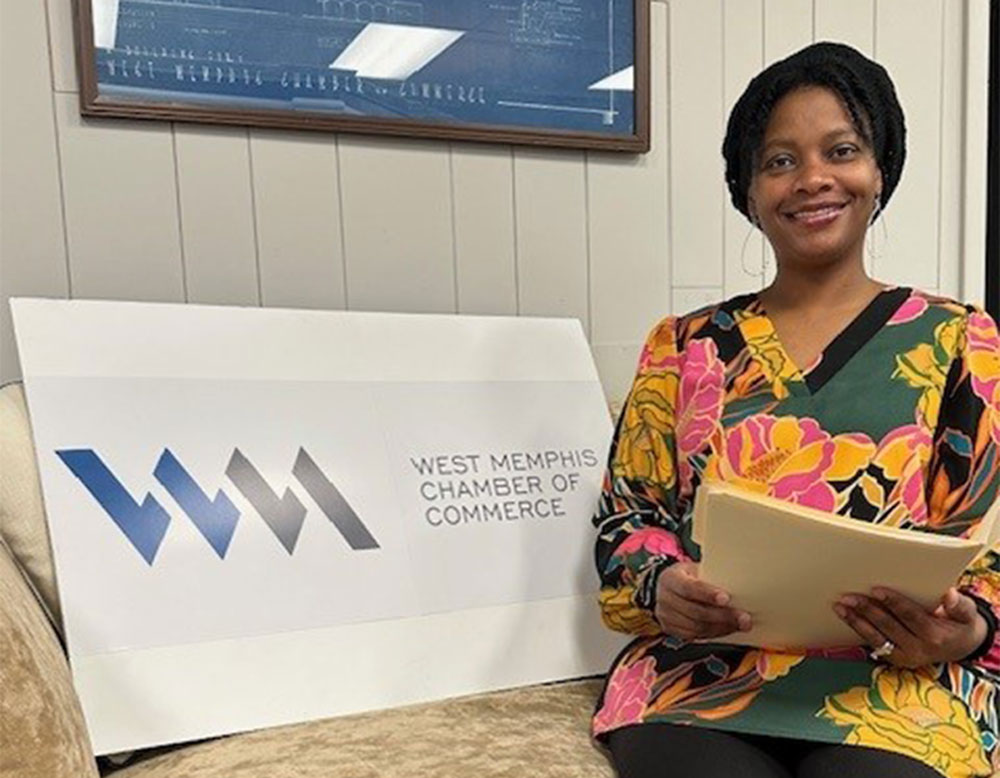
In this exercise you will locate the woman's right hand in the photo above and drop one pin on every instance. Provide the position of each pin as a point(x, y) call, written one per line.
point(691, 609)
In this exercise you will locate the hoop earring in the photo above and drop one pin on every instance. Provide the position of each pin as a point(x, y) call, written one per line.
point(743, 255)
point(876, 209)
point(875, 251)
point(762, 272)
point(870, 251)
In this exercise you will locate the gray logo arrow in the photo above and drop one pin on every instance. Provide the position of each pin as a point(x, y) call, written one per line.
point(284, 516)
point(332, 503)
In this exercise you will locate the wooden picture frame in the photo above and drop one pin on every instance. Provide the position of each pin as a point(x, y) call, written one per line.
point(571, 74)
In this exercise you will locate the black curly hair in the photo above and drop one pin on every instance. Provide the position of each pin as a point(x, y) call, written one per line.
point(863, 86)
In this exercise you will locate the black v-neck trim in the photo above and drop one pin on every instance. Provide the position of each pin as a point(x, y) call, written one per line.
point(855, 335)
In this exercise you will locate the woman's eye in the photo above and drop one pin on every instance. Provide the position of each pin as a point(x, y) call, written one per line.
point(779, 162)
point(845, 151)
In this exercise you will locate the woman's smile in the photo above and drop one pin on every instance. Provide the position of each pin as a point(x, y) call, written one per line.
point(816, 215)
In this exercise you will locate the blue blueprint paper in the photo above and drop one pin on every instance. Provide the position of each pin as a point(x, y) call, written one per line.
point(519, 63)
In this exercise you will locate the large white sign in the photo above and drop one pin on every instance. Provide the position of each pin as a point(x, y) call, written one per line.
point(267, 516)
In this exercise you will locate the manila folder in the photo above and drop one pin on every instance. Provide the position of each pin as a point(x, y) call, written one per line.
point(787, 564)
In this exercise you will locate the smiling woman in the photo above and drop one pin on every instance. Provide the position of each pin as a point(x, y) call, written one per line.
point(830, 389)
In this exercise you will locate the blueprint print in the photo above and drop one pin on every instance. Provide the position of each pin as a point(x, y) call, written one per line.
point(517, 63)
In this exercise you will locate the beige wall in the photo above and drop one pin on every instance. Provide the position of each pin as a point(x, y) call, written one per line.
point(159, 211)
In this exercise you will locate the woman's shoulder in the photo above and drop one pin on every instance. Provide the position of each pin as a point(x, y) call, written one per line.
point(935, 309)
point(715, 320)
point(924, 299)
point(727, 307)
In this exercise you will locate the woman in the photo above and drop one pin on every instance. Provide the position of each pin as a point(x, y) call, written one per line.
point(830, 389)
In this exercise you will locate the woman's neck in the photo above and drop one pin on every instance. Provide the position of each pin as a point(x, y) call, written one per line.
point(819, 289)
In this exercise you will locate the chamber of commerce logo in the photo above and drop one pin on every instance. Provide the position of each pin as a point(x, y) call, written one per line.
point(145, 523)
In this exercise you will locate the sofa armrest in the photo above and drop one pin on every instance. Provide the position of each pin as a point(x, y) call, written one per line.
point(42, 731)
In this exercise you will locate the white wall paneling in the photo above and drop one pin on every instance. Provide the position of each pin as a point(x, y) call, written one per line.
point(120, 197)
point(696, 126)
point(846, 21)
point(950, 202)
point(61, 43)
point(974, 123)
point(216, 212)
point(32, 236)
point(297, 205)
point(788, 26)
point(551, 211)
point(141, 210)
point(397, 224)
point(482, 179)
point(912, 54)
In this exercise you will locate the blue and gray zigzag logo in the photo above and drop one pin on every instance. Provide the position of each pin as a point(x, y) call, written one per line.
point(145, 524)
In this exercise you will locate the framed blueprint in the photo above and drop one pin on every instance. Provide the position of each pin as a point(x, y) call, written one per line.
point(569, 73)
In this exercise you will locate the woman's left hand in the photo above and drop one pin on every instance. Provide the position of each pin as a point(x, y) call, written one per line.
point(919, 637)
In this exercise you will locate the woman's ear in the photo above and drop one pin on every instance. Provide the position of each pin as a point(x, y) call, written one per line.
point(752, 212)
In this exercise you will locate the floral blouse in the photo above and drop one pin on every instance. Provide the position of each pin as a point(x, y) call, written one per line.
point(897, 423)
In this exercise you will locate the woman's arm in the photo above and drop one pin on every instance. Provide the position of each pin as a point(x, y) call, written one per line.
point(964, 480)
point(637, 514)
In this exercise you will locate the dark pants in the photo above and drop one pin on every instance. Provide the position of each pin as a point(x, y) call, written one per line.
point(674, 751)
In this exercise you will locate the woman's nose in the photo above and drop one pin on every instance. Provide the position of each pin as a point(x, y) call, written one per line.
point(815, 175)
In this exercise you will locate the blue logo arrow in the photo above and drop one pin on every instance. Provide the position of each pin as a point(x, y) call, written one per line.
point(215, 519)
point(143, 525)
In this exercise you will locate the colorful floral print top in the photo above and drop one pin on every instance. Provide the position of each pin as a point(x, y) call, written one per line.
point(897, 423)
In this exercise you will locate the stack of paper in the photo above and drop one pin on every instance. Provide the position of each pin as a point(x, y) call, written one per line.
point(786, 564)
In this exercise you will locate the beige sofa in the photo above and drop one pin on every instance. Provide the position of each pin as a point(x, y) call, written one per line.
point(535, 731)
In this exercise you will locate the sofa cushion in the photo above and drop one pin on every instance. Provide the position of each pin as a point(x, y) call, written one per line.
point(42, 732)
point(541, 731)
point(22, 515)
